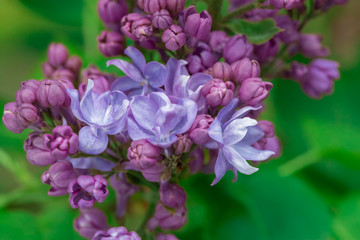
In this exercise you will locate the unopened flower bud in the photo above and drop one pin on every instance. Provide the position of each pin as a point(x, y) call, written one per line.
point(63, 74)
point(201, 59)
point(163, 236)
point(85, 190)
point(166, 220)
point(172, 195)
point(253, 91)
point(143, 154)
point(112, 11)
point(36, 152)
point(116, 233)
point(27, 92)
point(218, 41)
point(198, 25)
point(47, 69)
point(53, 93)
point(153, 6)
point(244, 69)
point(218, 93)
point(74, 64)
point(174, 38)
point(10, 120)
point(182, 145)
point(59, 176)
point(162, 19)
point(62, 142)
point(175, 6)
point(196, 160)
point(290, 27)
point(198, 132)
point(223, 71)
point(90, 221)
point(110, 44)
point(268, 50)
point(101, 85)
point(237, 48)
point(57, 54)
point(269, 141)
point(310, 45)
point(27, 114)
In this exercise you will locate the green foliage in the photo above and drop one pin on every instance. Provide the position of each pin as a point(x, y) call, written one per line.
point(257, 32)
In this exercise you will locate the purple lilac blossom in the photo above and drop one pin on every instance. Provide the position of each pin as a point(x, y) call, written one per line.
point(158, 120)
point(174, 38)
point(163, 236)
point(104, 114)
point(141, 77)
point(10, 120)
point(111, 44)
point(90, 221)
point(162, 19)
point(237, 48)
point(233, 134)
point(244, 69)
point(167, 220)
point(97, 163)
point(27, 92)
point(172, 195)
point(116, 233)
point(36, 151)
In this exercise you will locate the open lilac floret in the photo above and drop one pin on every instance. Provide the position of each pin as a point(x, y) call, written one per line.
point(233, 134)
point(104, 114)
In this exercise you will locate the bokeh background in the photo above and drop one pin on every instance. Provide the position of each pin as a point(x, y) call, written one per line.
point(311, 192)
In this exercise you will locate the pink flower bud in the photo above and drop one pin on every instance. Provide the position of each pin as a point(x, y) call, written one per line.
point(223, 71)
point(27, 92)
point(244, 69)
point(57, 54)
point(253, 91)
point(198, 132)
point(217, 92)
point(174, 38)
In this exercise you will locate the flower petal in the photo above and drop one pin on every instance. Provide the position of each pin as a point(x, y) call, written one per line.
point(155, 73)
point(136, 132)
point(75, 104)
point(137, 57)
point(90, 143)
point(237, 161)
point(240, 113)
point(225, 113)
point(237, 130)
point(253, 135)
point(144, 110)
point(221, 166)
point(129, 69)
point(188, 120)
point(215, 131)
point(253, 154)
point(125, 84)
point(92, 163)
point(169, 117)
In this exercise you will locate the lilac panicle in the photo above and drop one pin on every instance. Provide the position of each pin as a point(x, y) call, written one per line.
point(253, 91)
point(62, 142)
point(116, 233)
point(237, 48)
point(36, 151)
point(104, 114)
point(174, 38)
point(172, 195)
point(233, 134)
point(59, 176)
point(85, 190)
point(111, 44)
point(158, 120)
point(244, 69)
point(63, 74)
point(167, 220)
point(101, 85)
point(27, 92)
point(74, 64)
point(162, 19)
point(196, 160)
point(90, 221)
point(141, 77)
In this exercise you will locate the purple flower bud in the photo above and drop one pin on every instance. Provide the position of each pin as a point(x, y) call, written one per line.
point(90, 221)
point(287, 4)
point(297, 71)
point(268, 50)
point(57, 54)
point(238, 3)
point(47, 69)
point(62, 142)
point(101, 84)
point(259, 14)
point(198, 132)
point(201, 59)
point(59, 176)
point(136, 26)
point(167, 220)
point(290, 33)
point(174, 38)
point(237, 48)
point(53, 93)
point(110, 44)
point(112, 11)
point(245, 69)
point(140, 4)
point(74, 64)
point(27, 92)
point(153, 6)
point(85, 190)
point(269, 141)
point(162, 19)
point(143, 154)
point(63, 74)
point(196, 160)
point(127, 23)
point(36, 152)
point(172, 195)
point(175, 6)
point(218, 41)
point(253, 91)
point(310, 45)
point(10, 120)
point(319, 79)
point(27, 114)
point(163, 236)
point(183, 144)
point(217, 92)
point(116, 233)
point(198, 25)
point(223, 71)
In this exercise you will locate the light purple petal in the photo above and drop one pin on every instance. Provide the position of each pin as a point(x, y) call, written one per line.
point(225, 113)
point(237, 129)
point(164, 142)
point(237, 161)
point(92, 163)
point(155, 73)
point(168, 117)
point(90, 143)
point(129, 69)
point(160, 98)
point(250, 153)
point(221, 166)
point(136, 132)
point(144, 110)
point(117, 113)
point(174, 68)
point(240, 113)
point(215, 131)
point(186, 122)
point(253, 135)
point(125, 84)
point(87, 102)
point(75, 104)
point(137, 57)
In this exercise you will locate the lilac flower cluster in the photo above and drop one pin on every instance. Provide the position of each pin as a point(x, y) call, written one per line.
point(139, 130)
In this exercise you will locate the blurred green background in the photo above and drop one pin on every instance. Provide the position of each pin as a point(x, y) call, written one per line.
point(311, 192)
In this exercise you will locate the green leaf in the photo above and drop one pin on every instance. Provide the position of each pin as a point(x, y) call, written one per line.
point(257, 32)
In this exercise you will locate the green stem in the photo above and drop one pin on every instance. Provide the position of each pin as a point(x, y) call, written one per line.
point(215, 11)
point(242, 10)
point(300, 162)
